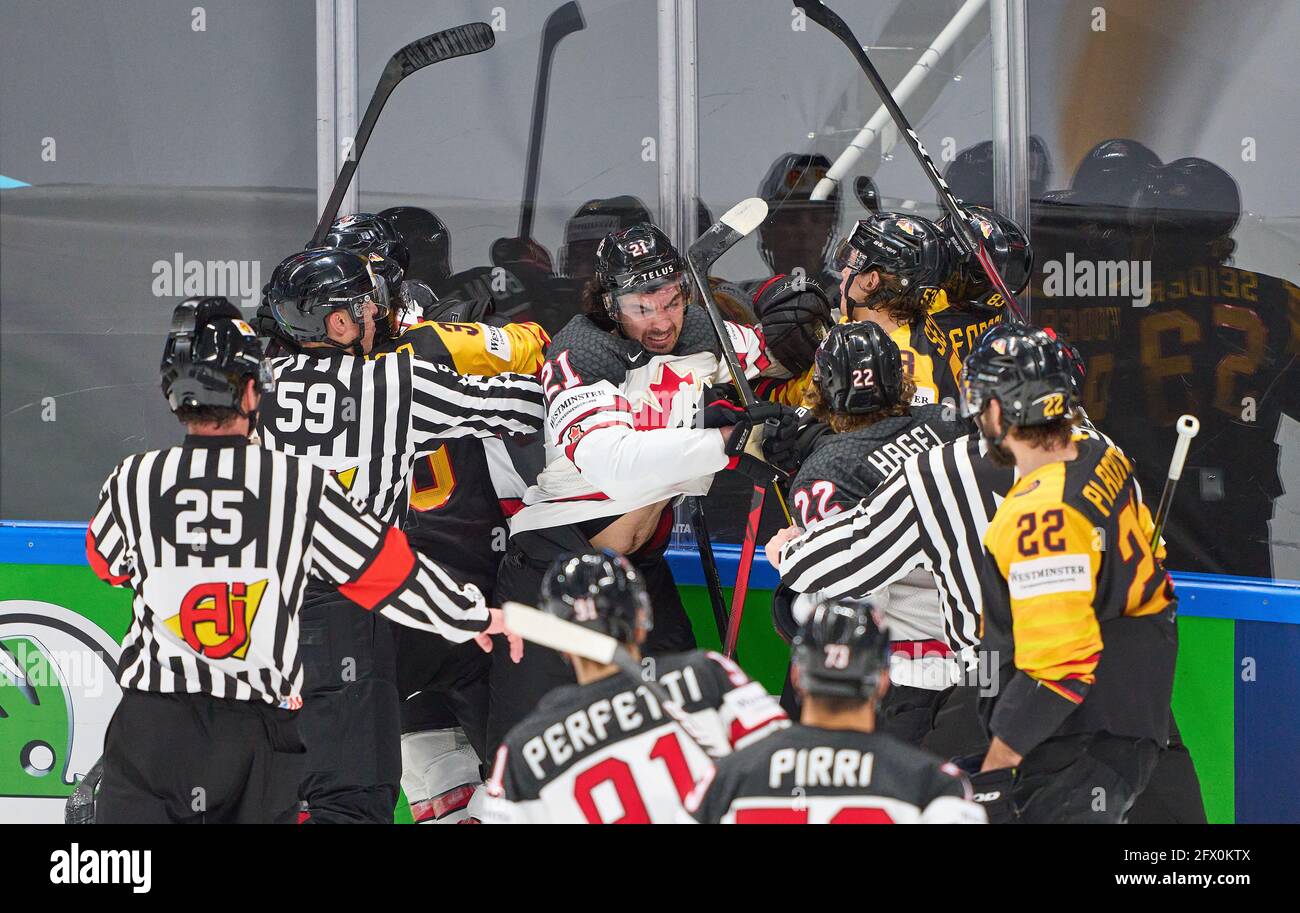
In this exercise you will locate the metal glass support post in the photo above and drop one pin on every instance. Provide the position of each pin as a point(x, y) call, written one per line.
point(1011, 113)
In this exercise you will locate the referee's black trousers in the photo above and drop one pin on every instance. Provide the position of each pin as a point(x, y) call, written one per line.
point(197, 759)
point(349, 717)
point(516, 688)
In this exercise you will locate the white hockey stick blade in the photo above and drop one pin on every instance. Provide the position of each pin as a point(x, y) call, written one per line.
point(746, 215)
point(542, 628)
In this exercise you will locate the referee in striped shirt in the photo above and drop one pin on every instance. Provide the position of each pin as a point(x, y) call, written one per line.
point(933, 514)
point(217, 537)
point(367, 421)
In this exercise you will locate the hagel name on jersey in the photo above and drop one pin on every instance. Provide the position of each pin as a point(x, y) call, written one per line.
point(891, 455)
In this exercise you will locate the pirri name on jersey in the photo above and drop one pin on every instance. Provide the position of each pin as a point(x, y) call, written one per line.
point(822, 766)
point(607, 719)
point(893, 454)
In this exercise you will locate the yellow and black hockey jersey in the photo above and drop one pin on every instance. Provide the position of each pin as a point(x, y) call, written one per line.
point(928, 355)
point(463, 493)
point(1079, 610)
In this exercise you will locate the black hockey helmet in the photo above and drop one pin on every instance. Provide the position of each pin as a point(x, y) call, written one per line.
point(427, 242)
point(369, 235)
point(599, 590)
point(903, 245)
point(787, 189)
point(594, 220)
point(1025, 369)
point(209, 353)
point(376, 240)
point(841, 650)
point(638, 260)
point(858, 369)
point(1192, 197)
point(970, 174)
point(1007, 245)
point(309, 286)
point(1112, 172)
point(1078, 366)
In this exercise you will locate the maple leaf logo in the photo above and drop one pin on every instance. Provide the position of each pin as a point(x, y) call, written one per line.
point(652, 408)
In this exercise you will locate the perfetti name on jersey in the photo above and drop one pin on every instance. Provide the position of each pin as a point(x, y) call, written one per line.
point(606, 720)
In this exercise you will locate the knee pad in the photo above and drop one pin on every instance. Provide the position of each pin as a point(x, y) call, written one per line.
point(439, 773)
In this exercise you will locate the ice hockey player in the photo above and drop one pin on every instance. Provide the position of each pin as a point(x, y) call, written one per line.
point(218, 538)
point(892, 268)
point(604, 751)
point(456, 516)
point(862, 393)
point(970, 305)
point(368, 421)
point(797, 236)
point(625, 438)
point(1081, 636)
point(834, 767)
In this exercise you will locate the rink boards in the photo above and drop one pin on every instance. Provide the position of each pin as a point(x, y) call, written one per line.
point(1238, 672)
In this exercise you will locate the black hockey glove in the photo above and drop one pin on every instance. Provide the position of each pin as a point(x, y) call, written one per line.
point(795, 315)
point(718, 408)
point(762, 435)
point(993, 791)
point(809, 433)
point(764, 447)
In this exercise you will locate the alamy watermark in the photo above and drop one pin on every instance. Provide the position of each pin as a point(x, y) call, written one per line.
point(1077, 278)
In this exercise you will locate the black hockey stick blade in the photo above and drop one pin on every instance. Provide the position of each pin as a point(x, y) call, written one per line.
point(565, 20)
point(828, 19)
point(722, 235)
point(709, 565)
point(471, 38)
point(864, 188)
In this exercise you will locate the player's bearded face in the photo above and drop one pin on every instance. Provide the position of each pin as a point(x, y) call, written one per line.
point(990, 428)
point(654, 317)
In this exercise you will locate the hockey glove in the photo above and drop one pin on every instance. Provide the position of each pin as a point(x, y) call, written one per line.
point(760, 432)
point(718, 409)
point(993, 791)
point(809, 433)
point(795, 315)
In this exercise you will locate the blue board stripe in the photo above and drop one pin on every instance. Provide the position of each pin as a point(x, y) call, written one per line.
point(1200, 595)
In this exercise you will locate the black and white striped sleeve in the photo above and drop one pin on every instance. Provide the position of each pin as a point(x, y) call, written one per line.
point(446, 404)
point(107, 548)
point(372, 564)
point(861, 550)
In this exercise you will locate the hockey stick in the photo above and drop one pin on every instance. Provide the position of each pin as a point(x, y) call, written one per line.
point(471, 38)
point(828, 19)
point(565, 20)
point(1187, 428)
point(709, 564)
point(735, 224)
point(547, 630)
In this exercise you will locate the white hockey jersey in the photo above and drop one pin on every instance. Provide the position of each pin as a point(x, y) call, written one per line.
point(619, 420)
point(607, 752)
